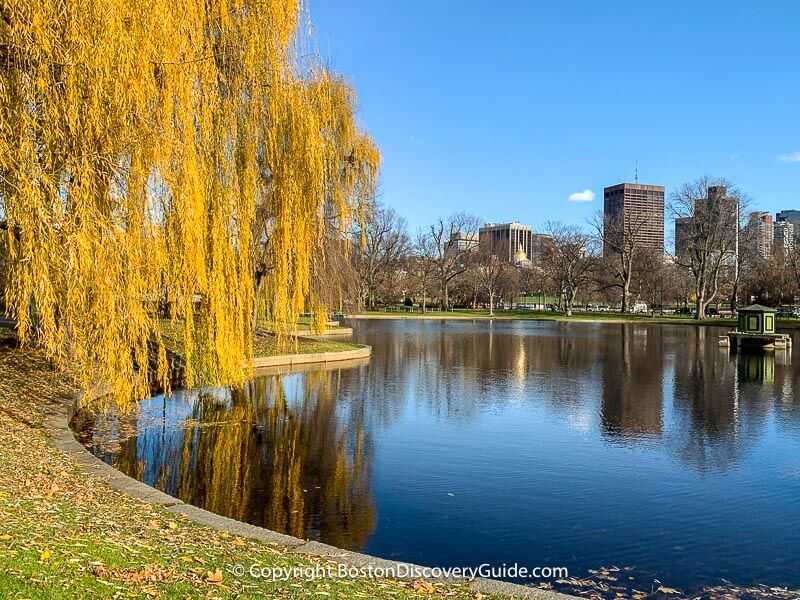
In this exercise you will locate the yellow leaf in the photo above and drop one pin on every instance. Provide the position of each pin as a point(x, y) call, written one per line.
point(45, 555)
point(173, 525)
point(6, 536)
point(215, 577)
point(422, 587)
point(668, 590)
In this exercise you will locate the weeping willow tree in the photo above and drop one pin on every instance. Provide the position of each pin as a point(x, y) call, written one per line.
point(317, 164)
point(139, 145)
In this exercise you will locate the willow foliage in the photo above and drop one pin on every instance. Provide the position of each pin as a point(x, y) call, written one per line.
point(137, 142)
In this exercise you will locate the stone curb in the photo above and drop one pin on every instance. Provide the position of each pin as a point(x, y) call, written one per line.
point(331, 332)
point(57, 424)
point(260, 362)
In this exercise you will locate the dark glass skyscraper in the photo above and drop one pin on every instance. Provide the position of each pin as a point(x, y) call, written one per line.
point(634, 209)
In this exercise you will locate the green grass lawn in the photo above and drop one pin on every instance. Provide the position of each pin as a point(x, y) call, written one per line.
point(270, 345)
point(535, 315)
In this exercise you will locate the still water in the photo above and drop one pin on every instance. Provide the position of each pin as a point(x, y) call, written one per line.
point(465, 442)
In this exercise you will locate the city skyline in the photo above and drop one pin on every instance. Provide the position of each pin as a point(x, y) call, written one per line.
point(776, 231)
point(545, 109)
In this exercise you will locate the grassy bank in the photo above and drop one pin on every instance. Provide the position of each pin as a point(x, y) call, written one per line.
point(270, 345)
point(65, 533)
point(264, 342)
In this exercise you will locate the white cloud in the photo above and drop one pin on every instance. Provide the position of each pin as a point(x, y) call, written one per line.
point(790, 157)
point(416, 141)
point(586, 195)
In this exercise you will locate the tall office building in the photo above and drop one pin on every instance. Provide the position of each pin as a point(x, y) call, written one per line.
point(634, 209)
point(718, 205)
point(510, 238)
point(783, 238)
point(683, 235)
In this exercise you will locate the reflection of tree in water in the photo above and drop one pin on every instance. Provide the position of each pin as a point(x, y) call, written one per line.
point(275, 454)
point(718, 417)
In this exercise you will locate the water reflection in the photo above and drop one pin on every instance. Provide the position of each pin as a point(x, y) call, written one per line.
point(275, 453)
point(632, 376)
point(565, 443)
point(757, 366)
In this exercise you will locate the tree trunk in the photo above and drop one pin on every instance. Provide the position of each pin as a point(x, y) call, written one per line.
point(626, 291)
point(491, 303)
point(700, 306)
point(734, 296)
point(259, 284)
point(569, 301)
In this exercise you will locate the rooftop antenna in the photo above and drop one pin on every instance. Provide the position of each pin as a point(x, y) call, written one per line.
point(637, 171)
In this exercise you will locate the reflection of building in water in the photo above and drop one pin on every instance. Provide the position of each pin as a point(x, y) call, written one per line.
point(632, 365)
point(756, 366)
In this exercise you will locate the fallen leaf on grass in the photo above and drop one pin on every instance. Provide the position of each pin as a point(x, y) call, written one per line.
point(214, 576)
point(422, 587)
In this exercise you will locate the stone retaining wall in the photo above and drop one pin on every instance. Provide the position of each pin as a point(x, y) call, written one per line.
point(311, 357)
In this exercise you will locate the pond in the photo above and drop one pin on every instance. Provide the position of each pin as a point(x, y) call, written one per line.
point(585, 445)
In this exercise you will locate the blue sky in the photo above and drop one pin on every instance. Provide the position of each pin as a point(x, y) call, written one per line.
point(506, 108)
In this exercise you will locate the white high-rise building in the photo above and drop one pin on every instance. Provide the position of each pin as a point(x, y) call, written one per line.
point(783, 238)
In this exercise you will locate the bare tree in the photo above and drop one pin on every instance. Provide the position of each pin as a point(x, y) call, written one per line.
point(653, 278)
point(492, 269)
point(451, 258)
point(532, 280)
point(382, 244)
point(568, 261)
point(334, 280)
point(468, 286)
point(770, 281)
point(422, 265)
point(622, 249)
point(710, 210)
point(793, 263)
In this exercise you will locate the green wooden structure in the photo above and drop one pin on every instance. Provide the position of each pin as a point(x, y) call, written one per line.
point(756, 327)
point(756, 319)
